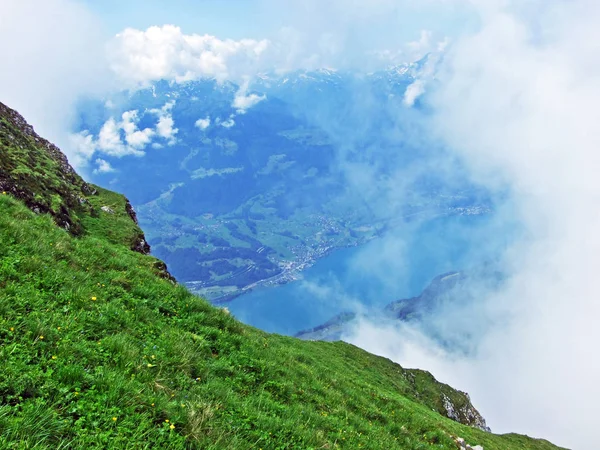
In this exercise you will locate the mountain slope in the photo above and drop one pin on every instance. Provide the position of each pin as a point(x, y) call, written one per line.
point(100, 349)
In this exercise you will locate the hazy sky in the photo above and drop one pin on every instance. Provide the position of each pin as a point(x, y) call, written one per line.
point(237, 19)
point(233, 19)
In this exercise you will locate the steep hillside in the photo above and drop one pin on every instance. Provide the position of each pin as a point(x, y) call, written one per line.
point(101, 349)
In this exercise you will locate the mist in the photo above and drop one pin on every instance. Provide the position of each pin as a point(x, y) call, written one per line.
point(507, 105)
point(515, 101)
point(52, 54)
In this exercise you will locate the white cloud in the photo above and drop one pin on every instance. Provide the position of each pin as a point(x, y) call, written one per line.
point(52, 52)
point(312, 36)
point(203, 124)
point(110, 143)
point(165, 127)
point(140, 139)
point(135, 138)
point(83, 147)
point(229, 123)
point(109, 139)
point(414, 91)
point(366, 35)
point(423, 45)
point(518, 100)
point(103, 166)
point(425, 74)
point(167, 53)
point(123, 138)
point(129, 122)
point(244, 101)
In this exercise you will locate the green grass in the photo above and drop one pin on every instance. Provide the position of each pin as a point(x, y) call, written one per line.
point(89, 333)
point(34, 171)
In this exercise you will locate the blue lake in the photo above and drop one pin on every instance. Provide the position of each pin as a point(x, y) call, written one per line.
point(398, 265)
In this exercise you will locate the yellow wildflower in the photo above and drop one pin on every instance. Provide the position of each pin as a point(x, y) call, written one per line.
point(94, 298)
point(172, 427)
point(114, 419)
point(167, 420)
point(41, 337)
point(53, 356)
point(12, 329)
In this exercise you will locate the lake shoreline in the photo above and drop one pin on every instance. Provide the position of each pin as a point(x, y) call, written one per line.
point(346, 279)
point(294, 273)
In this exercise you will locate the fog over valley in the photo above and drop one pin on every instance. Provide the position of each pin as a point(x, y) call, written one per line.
point(418, 179)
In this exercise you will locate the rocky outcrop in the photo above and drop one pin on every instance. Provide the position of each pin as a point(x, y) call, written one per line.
point(35, 171)
point(163, 271)
point(444, 399)
point(140, 244)
point(462, 444)
point(465, 413)
point(449, 402)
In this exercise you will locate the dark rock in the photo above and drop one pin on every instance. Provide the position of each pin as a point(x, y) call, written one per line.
point(140, 245)
point(163, 271)
point(38, 193)
point(131, 212)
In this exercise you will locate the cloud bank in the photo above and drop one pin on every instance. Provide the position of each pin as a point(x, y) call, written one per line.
point(517, 101)
point(140, 57)
point(165, 52)
point(244, 101)
point(52, 53)
point(119, 138)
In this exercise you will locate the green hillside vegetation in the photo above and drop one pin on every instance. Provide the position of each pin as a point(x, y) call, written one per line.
point(100, 349)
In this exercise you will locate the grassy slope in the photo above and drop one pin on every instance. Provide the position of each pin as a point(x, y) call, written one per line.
point(99, 350)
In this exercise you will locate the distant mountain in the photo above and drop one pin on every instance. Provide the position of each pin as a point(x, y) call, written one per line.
point(239, 185)
point(433, 311)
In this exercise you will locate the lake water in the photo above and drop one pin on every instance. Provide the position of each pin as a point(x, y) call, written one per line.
point(398, 265)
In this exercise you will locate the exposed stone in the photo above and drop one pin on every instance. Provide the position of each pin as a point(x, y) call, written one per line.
point(462, 444)
point(466, 414)
point(36, 192)
point(131, 212)
point(107, 210)
point(141, 246)
point(163, 272)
